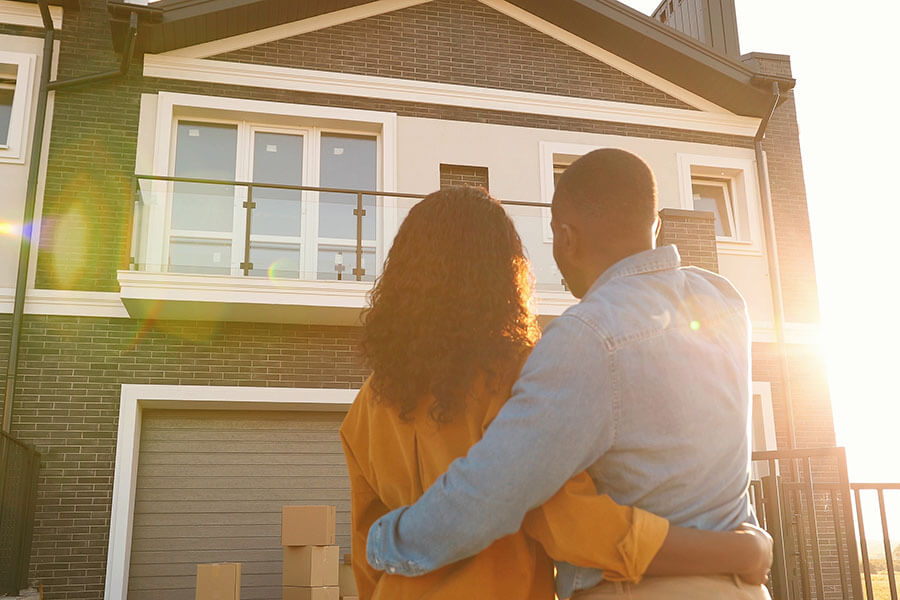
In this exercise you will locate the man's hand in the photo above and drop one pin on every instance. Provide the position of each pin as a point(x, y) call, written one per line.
point(758, 554)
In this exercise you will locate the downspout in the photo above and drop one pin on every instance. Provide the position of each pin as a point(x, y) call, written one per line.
point(31, 187)
point(762, 173)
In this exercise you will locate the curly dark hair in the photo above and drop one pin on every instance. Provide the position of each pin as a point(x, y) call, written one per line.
point(451, 305)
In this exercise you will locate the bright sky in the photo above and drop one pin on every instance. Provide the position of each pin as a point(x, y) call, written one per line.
point(847, 84)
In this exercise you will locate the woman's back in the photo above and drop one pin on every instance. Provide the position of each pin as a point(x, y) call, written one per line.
point(393, 461)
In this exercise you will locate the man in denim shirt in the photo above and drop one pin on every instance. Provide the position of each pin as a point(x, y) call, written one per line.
point(645, 383)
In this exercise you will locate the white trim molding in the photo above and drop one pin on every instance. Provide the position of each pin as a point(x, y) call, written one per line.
point(13, 12)
point(135, 398)
point(14, 150)
point(406, 90)
point(66, 303)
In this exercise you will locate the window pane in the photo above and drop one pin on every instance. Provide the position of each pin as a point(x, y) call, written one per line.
point(277, 158)
point(200, 256)
point(342, 259)
point(713, 198)
point(348, 162)
point(275, 260)
point(6, 101)
point(206, 151)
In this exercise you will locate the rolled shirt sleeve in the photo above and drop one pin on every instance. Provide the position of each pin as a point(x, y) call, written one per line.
point(560, 419)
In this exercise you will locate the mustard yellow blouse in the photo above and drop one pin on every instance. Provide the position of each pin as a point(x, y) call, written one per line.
point(392, 462)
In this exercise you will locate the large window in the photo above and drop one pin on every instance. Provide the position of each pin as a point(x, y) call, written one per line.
point(16, 80)
point(293, 234)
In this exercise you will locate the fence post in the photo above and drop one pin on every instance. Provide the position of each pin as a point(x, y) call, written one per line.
point(847, 505)
point(774, 524)
point(360, 212)
point(249, 205)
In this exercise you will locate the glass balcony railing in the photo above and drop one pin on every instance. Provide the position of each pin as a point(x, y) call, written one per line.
point(281, 232)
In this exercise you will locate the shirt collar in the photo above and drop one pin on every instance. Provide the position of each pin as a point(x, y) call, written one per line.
point(648, 261)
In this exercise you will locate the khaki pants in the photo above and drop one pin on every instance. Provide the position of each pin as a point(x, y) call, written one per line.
point(713, 587)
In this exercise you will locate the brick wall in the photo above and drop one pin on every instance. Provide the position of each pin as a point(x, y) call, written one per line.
point(460, 42)
point(67, 404)
point(693, 232)
point(464, 175)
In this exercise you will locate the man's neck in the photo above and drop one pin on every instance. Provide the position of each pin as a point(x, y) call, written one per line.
point(602, 263)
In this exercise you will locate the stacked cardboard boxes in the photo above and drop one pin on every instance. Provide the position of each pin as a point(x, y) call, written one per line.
point(310, 570)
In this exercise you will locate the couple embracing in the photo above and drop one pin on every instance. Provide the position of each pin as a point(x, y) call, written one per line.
point(615, 448)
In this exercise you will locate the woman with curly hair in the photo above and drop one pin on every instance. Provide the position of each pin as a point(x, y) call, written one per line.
point(449, 327)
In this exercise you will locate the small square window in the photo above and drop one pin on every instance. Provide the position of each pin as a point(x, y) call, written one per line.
point(16, 81)
point(715, 196)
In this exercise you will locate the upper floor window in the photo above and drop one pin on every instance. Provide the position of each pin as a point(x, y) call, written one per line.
point(16, 80)
point(217, 195)
point(8, 75)
point(292, 233)
point(715, 196)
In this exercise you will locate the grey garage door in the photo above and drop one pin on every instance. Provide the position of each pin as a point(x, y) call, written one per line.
point(210, 488)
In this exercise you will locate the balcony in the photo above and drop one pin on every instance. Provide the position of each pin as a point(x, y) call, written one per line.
point(226, 250)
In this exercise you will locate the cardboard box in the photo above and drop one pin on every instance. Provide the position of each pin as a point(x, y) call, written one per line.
point(308, 525)
point(310, 566)
point(346, 581)
point(219, 581)
point(310, 593)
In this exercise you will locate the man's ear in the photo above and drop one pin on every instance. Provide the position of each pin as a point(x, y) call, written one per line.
point(657, 227)
point(567, 239)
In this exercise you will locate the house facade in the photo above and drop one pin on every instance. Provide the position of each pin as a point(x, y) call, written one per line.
point(207, 226)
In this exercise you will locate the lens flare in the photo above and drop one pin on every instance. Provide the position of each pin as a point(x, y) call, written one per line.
point(280, 269)
point(8, 228)
point(695, 325)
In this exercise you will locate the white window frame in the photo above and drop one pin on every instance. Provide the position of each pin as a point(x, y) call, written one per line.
point(726, 183)
point(744, 215)
point(307, 120)
point(13, 151)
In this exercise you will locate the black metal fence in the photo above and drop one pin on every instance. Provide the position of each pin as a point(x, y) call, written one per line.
point(804, 499)
point(19, 465)
point(868, 570)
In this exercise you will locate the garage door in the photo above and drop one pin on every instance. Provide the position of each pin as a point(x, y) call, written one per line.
point(210, 488)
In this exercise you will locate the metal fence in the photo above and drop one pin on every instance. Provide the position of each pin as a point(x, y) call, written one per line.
point(19, 465)
point(805, 500)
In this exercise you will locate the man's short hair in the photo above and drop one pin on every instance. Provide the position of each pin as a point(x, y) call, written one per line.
point(611, 184)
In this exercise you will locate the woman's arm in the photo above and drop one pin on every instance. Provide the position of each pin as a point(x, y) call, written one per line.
point(584, 528)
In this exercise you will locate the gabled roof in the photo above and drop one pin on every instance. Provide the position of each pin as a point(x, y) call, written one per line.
point(623, 31)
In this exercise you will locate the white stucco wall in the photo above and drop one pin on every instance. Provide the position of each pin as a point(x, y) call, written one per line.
point(513, 158)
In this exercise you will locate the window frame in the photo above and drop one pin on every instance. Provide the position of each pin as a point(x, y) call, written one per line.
point(13, 151)
point(745, 206)
point(252, 116)
point(726, 183)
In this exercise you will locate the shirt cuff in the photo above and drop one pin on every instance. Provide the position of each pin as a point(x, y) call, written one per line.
point(640, 545)
point(383, 550)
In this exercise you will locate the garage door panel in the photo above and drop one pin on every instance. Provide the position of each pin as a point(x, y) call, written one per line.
point(210, 488)
point(259, 471)
point(307, 457)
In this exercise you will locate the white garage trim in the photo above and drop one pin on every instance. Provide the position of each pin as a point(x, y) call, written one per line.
point(135, 398)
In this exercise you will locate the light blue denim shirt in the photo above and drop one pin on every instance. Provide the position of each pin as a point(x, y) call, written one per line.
point(645, 383)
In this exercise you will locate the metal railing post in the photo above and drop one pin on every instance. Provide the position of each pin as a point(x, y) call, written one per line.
point(864, 547)
point(249, 205)
point(360, 212)
point(774, 524)
point(847, 508)
point(888, 558)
